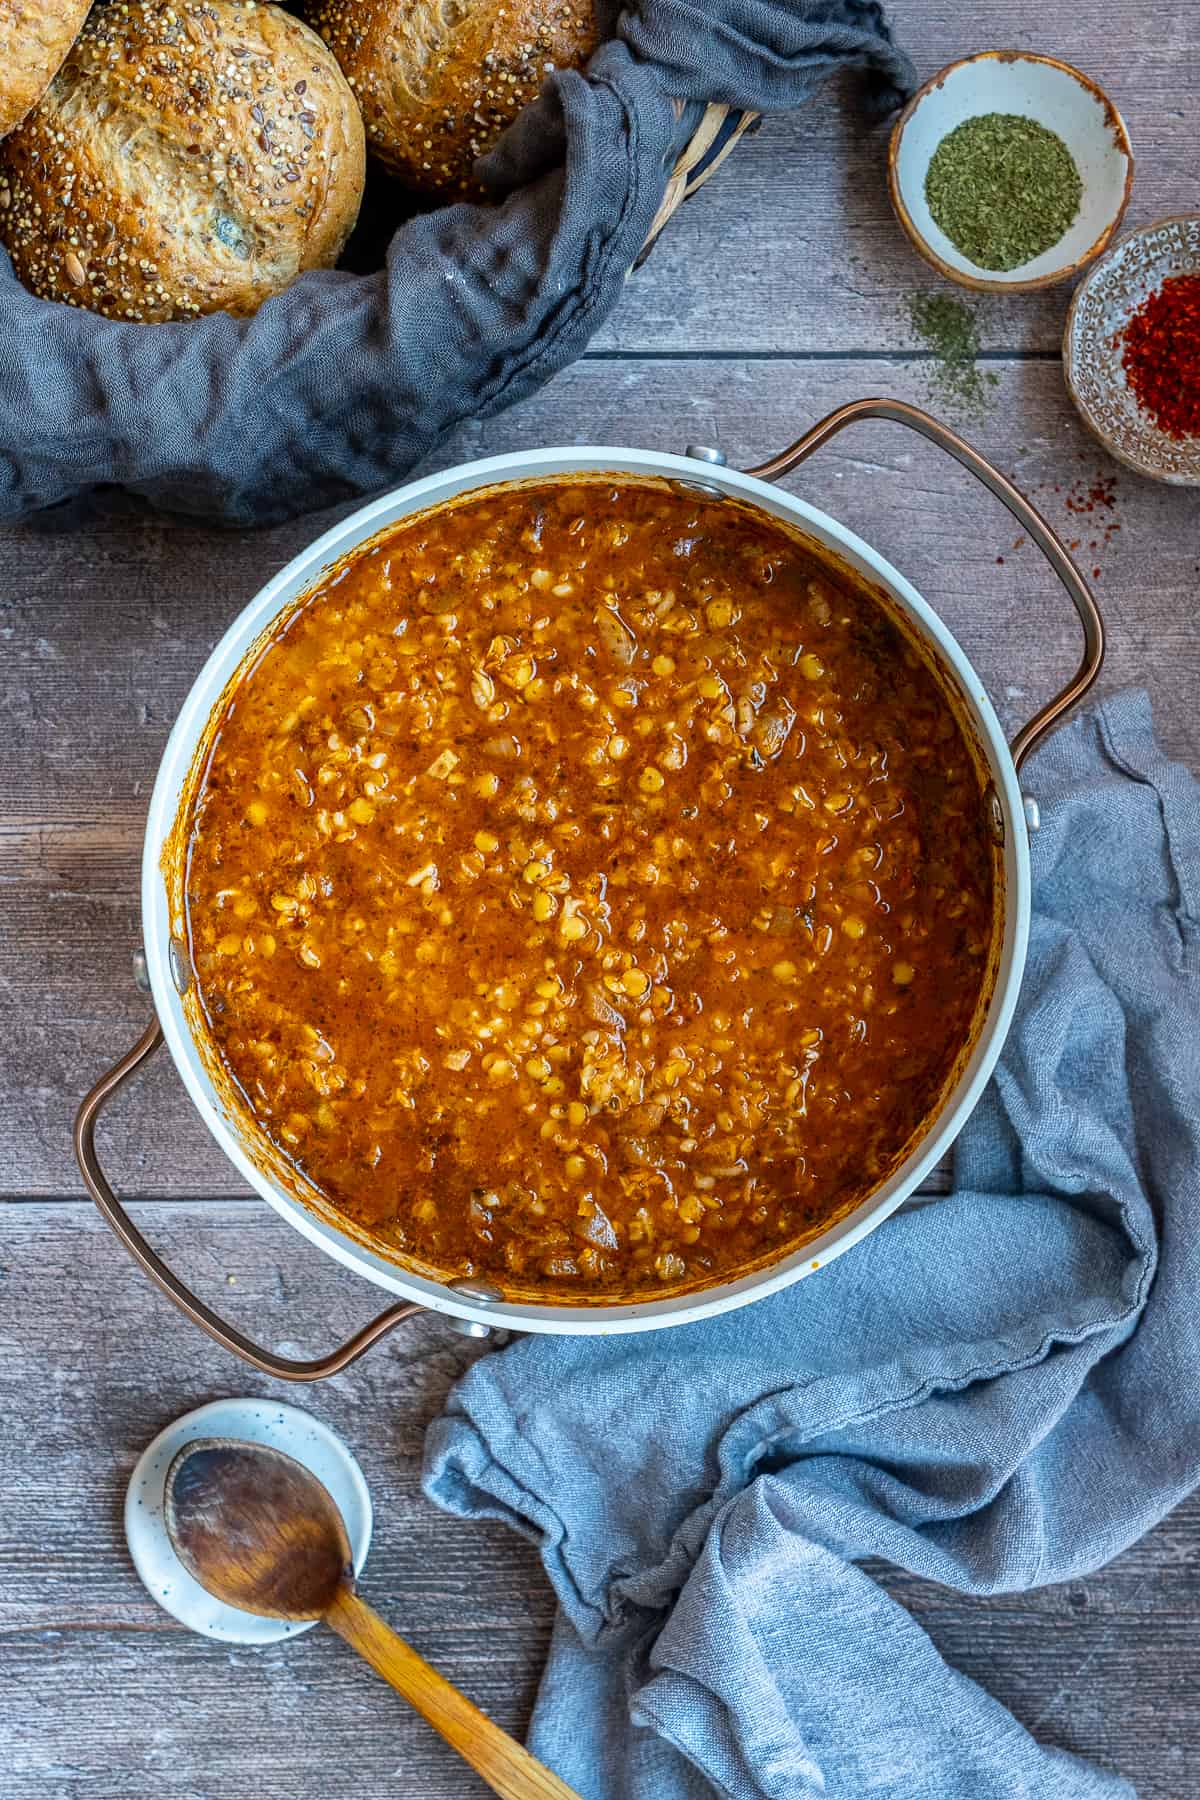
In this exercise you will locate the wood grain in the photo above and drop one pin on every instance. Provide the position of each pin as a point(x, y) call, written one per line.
point(102, 649)
point(779, 292)
point(505, 1766)
point(793, 247)
point(118, 1701)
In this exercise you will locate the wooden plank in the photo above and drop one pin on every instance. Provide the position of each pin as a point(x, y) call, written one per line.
point(791, 250)
point(110, 1362)
point(117, 1715)
point(159, 1709)
point(793, 245)
point(103, 636)
point(117, 1700)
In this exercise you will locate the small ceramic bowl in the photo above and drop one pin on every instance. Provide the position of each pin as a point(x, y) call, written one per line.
point(1092, 350)
point(1036, 87)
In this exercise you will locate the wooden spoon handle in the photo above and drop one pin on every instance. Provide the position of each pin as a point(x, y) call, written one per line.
point(505, 1765)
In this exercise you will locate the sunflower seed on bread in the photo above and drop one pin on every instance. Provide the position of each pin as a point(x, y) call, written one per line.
point(191, 156)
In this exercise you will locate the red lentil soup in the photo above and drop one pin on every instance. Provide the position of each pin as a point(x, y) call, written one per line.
point(589, 889)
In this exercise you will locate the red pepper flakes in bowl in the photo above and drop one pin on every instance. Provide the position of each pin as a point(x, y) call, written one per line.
point(1161, 356)
point(1131, 350)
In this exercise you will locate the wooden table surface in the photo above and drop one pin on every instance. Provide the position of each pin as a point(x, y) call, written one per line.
point(779, 292)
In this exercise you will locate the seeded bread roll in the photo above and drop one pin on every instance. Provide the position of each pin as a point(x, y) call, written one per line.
point(35, 36)
point(438, 80)
point(191, 156)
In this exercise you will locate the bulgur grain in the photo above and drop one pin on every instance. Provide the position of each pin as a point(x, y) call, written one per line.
point(629, 942)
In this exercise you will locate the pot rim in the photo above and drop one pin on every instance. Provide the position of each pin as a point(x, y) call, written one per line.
point(298, 576)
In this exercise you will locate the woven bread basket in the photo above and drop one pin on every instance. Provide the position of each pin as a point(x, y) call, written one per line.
point(718, 132)
point(339, 385)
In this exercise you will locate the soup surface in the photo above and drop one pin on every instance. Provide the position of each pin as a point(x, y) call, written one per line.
point(589, 889)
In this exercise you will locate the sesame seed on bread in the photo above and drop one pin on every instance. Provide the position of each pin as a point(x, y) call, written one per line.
point(438, 80)
point(191, 156)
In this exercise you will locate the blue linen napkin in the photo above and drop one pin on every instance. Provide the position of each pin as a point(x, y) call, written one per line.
point(342, 383)
point(994, 1390)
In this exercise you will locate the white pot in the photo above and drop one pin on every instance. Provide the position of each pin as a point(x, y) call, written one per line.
point(163, 965)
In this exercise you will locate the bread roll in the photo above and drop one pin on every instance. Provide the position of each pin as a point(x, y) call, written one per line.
point(191, 156)
point(35, 36)
point(438, 80)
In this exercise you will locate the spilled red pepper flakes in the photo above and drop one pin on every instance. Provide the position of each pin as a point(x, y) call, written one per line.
point(1094, 498)
point(1160, 353)
point(1086, 496)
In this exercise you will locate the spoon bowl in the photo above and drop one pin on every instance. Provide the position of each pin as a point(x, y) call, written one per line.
point(256, 1528)
point(260, 1532)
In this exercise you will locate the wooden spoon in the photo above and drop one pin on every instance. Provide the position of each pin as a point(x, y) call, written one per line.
point(260, 1532)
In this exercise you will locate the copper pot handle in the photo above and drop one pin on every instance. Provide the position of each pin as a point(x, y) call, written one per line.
point(1026, 514)
point(229, 1338)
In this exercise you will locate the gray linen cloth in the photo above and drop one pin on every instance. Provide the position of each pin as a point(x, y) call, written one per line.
point(338, 386)
point(994, 1390)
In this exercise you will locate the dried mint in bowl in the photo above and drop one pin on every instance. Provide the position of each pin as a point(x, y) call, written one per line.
point(1003, 188)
